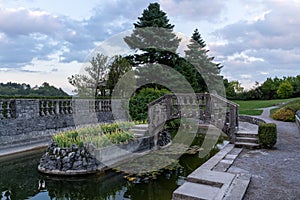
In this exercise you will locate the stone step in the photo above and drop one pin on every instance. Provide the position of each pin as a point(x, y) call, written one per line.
point(247, 139)
point(194, 191)
point(238, 187)
point(140, 126)
point(247, 145)
point(247, 135)
point(204, 184)
point(139, 132)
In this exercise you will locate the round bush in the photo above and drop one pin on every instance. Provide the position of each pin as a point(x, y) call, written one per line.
point(138, 104)
point(285, 114)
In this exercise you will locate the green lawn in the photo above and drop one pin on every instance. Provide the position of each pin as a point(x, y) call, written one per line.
point(251, 107)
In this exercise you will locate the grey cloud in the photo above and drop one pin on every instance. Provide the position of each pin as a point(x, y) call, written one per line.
point(24, 22)
point(194, 9)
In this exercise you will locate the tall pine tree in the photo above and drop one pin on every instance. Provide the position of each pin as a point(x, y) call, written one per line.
point(207, 72)
point(153, 34)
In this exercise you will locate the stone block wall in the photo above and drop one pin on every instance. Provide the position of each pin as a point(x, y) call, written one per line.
point(25, 121)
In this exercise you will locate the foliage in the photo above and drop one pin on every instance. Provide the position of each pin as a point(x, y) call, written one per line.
point(206, 72)
point(285, 90)
point(233, 88)
point(267, 134)
point(138, 104)
point(154, 35)
point(91, 82)
point(100, 135)
point(250, 107)
point(284, 114)
point(25, 90)
point(272, 88)
point(117, 69)
point(287, 111)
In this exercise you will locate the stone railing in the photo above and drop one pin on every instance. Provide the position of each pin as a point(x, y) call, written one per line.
point(207, 108)
point(7, 109)
point(297, 117)
point(58, 106)
point(35, 119)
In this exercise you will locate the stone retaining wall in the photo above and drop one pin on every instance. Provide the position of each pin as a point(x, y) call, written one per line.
point(297, 117)
point(250, 119)
point(25, 121)
point(118, 152)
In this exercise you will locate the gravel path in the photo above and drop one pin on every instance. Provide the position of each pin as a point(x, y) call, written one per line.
point(275, 173)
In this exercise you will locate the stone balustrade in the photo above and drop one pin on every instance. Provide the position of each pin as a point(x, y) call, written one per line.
point(30, 120)
point(207, 108)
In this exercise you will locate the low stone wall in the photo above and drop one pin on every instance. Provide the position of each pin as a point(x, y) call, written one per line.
point(67, 161)
point(116, 153)
point(250, 119)
point(88, 159)
point(297, 117)
point(24, 121)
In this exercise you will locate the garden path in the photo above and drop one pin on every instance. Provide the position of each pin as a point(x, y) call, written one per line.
point(275, 172)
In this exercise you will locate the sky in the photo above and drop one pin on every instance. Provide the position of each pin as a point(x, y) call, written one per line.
point(50, 40)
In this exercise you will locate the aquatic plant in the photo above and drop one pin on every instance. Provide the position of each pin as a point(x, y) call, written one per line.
point(100, 135)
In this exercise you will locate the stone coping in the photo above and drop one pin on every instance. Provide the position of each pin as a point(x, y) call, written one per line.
point(251, 119)
point(212, 180)
point(66, 173)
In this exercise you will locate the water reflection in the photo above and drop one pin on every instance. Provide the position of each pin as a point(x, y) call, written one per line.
point(19, 179)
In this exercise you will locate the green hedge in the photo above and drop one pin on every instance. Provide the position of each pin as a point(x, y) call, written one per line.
point(138, 104)
point(267, 134)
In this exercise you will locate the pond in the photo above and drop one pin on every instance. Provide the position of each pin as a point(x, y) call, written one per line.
point(19, 179)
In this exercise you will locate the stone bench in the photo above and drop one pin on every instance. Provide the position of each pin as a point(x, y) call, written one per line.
point(297, 117)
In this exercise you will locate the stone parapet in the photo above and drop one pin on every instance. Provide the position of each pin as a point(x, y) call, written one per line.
point(26, 120)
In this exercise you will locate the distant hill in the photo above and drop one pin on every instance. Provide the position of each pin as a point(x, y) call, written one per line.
point(24, 90)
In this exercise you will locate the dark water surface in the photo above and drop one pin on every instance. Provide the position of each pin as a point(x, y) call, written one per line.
point(19, 179)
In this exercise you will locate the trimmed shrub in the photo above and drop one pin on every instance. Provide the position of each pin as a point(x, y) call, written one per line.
point(284, 114)
point(138, 104)
point(267, 134)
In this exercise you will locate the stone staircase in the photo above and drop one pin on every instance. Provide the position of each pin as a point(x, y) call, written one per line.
point(247, 136)
point(140, 130)
point(212, 181)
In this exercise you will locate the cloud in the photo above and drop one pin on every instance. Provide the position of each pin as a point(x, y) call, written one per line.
point(194, 9)
point(23, 22)
point(266, 46)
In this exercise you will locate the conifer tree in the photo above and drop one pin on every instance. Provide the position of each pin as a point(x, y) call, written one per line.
point(153, 34)
point(207, 72)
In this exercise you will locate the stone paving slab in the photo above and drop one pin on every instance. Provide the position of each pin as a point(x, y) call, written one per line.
point(212, 181)
point(275, 173)
point(194, 191)
point(238, 187)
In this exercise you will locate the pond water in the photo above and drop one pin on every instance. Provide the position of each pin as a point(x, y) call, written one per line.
point(19, 179)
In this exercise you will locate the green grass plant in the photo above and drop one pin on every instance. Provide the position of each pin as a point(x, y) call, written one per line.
point(251, 107)
point(100, 135)
point(286, 112)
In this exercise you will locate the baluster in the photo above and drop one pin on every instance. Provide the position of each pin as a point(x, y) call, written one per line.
point(46, 107)
point(109, 105)
point(65, 108)
point(50, 107)
point(8, 110)
point(70, 106)
point(96, 105)
point(60, 107)
point(41, 108)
